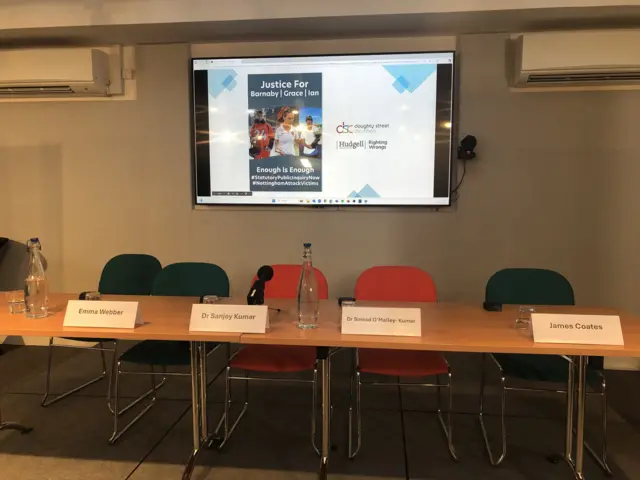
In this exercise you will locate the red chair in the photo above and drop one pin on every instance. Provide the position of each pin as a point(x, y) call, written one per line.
point(285, 282)
point(275, 358)
point(399, 284)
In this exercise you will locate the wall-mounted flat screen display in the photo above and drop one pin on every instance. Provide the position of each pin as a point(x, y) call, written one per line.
point(347, 130)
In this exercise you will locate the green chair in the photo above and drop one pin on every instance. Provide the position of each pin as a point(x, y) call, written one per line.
point(530, 286)
point(127, 274)
point(176, 280)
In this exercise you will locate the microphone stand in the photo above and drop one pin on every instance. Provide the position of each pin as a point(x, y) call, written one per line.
point(256, 295)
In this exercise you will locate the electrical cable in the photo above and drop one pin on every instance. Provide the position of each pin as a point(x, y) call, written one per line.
point(455, 190)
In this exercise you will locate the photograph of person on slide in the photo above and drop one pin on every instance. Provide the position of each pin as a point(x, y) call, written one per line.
point(311, 139)
point(286, 134)
point(301, 140)
point(261, 135)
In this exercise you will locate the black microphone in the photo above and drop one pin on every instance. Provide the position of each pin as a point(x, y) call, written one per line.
point(256, 292)
point(265, 273)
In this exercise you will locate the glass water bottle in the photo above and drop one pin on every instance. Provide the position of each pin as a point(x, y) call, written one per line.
point(36, 291)
point(308, 302)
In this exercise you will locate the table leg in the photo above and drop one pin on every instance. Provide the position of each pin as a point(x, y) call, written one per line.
point(324, 359)
point(195, 408)
point(582, 398)
point(204, 430)
point(571, 398)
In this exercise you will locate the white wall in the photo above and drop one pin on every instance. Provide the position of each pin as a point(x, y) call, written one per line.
point(553, 187)
point(63, 13)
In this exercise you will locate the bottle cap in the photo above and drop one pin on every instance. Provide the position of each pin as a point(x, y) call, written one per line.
point(307, 245)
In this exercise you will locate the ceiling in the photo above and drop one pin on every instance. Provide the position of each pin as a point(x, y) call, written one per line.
point(335, 27)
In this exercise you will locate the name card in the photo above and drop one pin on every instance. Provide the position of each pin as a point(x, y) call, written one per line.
point(102, 314)
point(580, 329)
point(229, 318)
point(405, 322)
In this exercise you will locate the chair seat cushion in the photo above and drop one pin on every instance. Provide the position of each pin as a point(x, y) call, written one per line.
point(161, 352)
point(275, 358)
point(403, 363)
point(539, 368)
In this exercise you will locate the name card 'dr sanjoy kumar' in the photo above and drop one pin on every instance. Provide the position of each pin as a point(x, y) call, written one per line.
point(229, 318)
point(579, 329)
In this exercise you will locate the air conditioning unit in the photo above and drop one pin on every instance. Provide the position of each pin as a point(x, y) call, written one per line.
point(53, 72)
point(571, 59)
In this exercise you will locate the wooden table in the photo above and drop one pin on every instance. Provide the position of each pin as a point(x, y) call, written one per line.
point(165, 318)
point(448, 327)
point(445, 327)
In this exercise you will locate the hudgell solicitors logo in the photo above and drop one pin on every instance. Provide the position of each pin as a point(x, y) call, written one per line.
point(351, 145)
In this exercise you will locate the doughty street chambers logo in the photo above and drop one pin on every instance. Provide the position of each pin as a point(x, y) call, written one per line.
point(360, 128)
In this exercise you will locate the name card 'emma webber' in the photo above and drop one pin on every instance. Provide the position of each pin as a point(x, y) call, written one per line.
point(102, 314)
point(102, 311)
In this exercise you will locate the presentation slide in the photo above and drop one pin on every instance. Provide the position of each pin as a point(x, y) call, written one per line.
point(326, 130)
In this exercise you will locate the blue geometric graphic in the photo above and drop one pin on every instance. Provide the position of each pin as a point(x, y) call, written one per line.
point(410, 77)
point(366, 192)
point(220, 80)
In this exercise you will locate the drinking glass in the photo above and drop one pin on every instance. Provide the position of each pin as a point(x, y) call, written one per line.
point(15, 299)
point(209, 299)
point(92, 296)
point(523, 320)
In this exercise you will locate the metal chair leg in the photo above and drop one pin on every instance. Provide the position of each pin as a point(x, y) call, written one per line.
point(116, 403)
point(602, 458)
point(355, 384)
point(498, 461)
point(47, 389)
point(195, 410)
point(225, 420)
point(104, 360)
point(117, 412)
point(314, 411)
point(47, 382)
point(570, 398)
point(114, 364)
point(447, 426)
point(603, 407)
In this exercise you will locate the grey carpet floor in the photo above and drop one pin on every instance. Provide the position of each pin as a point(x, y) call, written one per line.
point(401, 435)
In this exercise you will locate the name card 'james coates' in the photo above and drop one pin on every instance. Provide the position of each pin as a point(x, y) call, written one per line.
point(579, 329)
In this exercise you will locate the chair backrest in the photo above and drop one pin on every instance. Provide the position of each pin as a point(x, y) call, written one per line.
point(529, 286)
point(286, 278)
point(396, 284)
point(191, 279)
point(129, 274)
